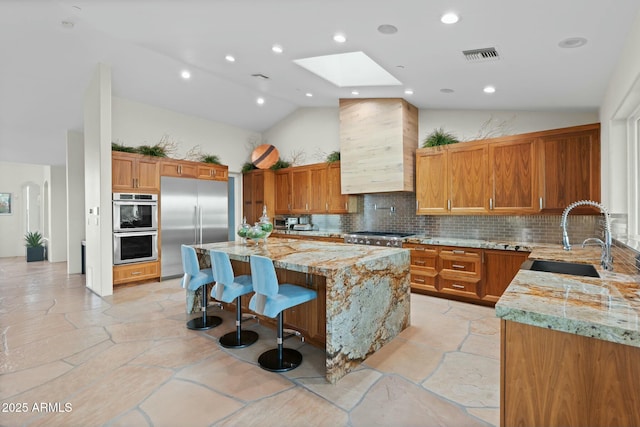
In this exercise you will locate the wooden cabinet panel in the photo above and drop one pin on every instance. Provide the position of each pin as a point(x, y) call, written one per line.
point(468, 179)
point(178, 168)
point(500, 267)
point(552, 378)
point(128, 273)
point(570, 169)
point(257, 192)
point(461, 287)
point(423, 267)
point(135, 173)
point(300, 183)
point(283, 192)
point(432, 191)
point(512, 166)
point(338, 202)
point(213, 172)
point(317, 190)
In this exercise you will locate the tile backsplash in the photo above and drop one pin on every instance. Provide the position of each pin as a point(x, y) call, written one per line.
point(396, 212)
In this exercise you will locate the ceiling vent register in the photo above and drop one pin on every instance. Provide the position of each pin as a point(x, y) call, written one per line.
point(479, 55)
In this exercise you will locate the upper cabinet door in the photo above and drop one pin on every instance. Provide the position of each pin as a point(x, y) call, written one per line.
point(282, 190)
point(432, 193)
point(135, 173)
point(468, 179)
point(570, 169)
point(513, 177)
point(317, 192)
point(300, 187)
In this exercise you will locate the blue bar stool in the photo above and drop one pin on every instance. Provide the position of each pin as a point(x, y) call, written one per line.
point(270, 300)
point(193, 278)
point(227, 289)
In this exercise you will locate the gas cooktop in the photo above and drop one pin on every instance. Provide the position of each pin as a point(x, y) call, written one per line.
point(379, 234)
point(376, 238)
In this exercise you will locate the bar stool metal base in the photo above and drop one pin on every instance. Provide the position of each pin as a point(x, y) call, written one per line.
point(270, 360)
point(232, 340)
point(204, 323)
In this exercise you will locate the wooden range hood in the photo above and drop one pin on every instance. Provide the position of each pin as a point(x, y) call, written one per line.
point(378, 141)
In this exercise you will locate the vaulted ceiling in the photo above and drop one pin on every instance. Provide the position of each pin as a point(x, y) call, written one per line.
point(49, 50)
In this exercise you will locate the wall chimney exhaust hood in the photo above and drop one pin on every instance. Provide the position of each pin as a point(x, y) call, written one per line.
point(378, 141)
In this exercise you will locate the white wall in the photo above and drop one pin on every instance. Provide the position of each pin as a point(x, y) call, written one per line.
point(316, 131)
point(468, 125)
point(56, 214)
point(75, 201)
point(13, 176)
point(97, 189)
point(136, 124)
point(621, 97)
point(308, 133)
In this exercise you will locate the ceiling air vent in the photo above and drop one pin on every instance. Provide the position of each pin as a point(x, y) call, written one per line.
point(260, 76)
point(478, 55)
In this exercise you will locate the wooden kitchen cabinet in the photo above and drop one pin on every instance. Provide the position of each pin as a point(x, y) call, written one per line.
point(570, 168)
point(513, 176)
point(461, 272)
point(282, 191)
point(140, 271)
point(452, 180)
point(212, 172)
point(338, 203)
point(178, 168)
point(423, 266)
point(538, 172)
point(257, 192)
point(554, 378)
point(135, 173)
point(500, 267)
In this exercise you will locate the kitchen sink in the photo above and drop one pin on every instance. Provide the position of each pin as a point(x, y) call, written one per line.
point(574, 269)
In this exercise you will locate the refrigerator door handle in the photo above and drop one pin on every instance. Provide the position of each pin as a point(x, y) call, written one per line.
point(195, 224)
point(200, 225)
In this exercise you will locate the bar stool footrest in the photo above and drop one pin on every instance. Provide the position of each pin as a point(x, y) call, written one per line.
point(292, 333)
point(270, 361)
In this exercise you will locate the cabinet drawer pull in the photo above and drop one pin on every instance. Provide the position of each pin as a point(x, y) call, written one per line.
point(490, 203)
point(449, 204)
point(420, 262)
point(456, 286)
point(541, 203)
point(134, 273)
point(346, 208)
point(418, 280)
point(420, 248)
point(458, 266)
point(458, 252)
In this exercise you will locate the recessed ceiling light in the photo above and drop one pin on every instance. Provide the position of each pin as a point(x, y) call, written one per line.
point(387, 29)
point(489, 89)
point(277, 48)
point(230, 58)
point(260, 101)
point(572, 42)
point(408, 92)
point(185, 74)
point(446, 90)
point(449, 18)
point(339, 38)
point(355, 92)
point(308, 94)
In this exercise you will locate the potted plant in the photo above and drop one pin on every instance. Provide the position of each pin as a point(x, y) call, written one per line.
point(35, 246)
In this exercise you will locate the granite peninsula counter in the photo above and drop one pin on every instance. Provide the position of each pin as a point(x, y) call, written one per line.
point(367, 295)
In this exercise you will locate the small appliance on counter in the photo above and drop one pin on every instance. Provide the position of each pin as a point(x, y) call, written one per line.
point(303, 227)
point(285, 223)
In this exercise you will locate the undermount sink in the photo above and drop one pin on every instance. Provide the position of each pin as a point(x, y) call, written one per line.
point(574, 269)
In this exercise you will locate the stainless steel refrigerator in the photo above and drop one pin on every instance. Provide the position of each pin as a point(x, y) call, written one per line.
point(192, 211)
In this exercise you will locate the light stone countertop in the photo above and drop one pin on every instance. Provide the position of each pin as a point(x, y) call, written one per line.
point(606, 308)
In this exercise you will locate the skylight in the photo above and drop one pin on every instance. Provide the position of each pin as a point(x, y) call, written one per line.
point(349, 70)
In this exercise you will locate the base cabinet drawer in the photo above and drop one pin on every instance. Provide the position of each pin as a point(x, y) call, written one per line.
point(423, 281)
point(460, 287)
point(135, 272)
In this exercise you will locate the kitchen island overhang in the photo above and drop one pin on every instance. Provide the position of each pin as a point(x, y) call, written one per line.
point(367, 291)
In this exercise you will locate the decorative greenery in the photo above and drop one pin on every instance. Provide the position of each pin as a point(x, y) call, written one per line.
point(248, 166)
point(34, 239)
point(119, 147)
point(280, 164)
point(210, 158)
point(439, 137)
point(152, 150)
point(333, 157)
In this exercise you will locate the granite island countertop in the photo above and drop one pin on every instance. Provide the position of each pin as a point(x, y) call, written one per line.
point(606, 308)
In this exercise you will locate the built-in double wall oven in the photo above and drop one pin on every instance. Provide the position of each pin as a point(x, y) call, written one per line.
point(135, 228)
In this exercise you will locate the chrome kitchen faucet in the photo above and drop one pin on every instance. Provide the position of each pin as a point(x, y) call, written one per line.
point(606, 259)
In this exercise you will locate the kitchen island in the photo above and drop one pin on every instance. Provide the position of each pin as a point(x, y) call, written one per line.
point(364, 294)
point(570, 346)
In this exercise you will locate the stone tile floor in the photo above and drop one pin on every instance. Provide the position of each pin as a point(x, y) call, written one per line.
point(71, 358)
